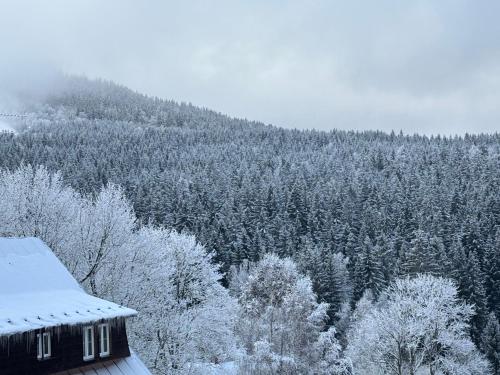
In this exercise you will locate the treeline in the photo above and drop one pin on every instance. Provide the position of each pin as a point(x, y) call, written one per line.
point(389, 204)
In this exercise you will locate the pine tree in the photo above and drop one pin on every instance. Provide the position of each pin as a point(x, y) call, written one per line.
point(422, 257)
point(492, 273)
point(329, 275)
point(368, 273)
point(471, 287)
point(490, 342)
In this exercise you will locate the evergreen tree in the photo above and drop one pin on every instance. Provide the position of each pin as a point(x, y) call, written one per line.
point(471, 287)
point(368, 273)
point(490, 342)
point(329, 275)
point(421, 256)
point(492, 273)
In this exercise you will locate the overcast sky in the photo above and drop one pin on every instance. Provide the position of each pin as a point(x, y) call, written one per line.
point(417, 66)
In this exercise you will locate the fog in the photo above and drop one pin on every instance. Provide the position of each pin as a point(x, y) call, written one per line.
point(4, 126)
point(423, 66)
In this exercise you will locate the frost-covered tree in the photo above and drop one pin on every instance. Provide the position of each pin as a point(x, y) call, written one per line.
point(492, 272)
point(419, 325)
point(35, 202)
point(87, 234)
point(425, 254)
point(186, 315)
point(103, 233)
point(328, 359)
point(238, 276)
point(280, 321)
point(368, 272)
point(490, 342)
point(329, 274)
point(470, 282)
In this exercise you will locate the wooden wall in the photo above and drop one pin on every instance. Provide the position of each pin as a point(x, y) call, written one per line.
point(18, 354)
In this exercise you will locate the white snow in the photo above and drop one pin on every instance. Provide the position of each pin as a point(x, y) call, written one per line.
point(36, 290)
point(225, 368)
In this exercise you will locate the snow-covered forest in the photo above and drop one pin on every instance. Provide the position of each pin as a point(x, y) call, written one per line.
point(256, 249)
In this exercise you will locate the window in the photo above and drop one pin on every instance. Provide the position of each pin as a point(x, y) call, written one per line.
point(88, 343)
point(44, 349)
point(104, 340)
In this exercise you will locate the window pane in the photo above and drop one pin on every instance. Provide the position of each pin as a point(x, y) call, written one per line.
point(89, 341)
point(39, 346)
point(46, 345)
point(104, 339)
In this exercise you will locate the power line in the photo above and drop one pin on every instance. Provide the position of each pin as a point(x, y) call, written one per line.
point(12, 115)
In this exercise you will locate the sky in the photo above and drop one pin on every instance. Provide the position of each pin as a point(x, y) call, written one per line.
point(418, 66)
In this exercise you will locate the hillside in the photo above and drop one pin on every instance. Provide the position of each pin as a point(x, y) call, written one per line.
point(392, 203)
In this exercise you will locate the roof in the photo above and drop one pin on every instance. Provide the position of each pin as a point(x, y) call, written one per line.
point(123, 366)
point(36, 290)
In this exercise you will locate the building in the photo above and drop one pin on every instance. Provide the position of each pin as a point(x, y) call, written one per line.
point(50, 325)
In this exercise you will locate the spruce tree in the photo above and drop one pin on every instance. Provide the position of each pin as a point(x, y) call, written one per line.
point(368, 273)
point(471, 288)
point(492, 273)
point(490, 342)
point(422, 256)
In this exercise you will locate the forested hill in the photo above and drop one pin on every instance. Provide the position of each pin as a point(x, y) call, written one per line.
point(393, 204)
point(99, 99)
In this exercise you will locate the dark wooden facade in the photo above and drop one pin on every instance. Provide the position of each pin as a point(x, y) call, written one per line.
point(18, 353)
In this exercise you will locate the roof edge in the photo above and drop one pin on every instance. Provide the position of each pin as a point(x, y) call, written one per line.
point(14, 331)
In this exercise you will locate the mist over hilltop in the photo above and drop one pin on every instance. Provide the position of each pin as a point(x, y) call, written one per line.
point(421, 67)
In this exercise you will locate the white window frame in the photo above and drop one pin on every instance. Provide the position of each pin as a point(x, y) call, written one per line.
point(43, 351)
point(88, 356)
point(104, 353)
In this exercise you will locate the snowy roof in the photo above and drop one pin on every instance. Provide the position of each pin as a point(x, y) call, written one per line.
point(36, 290)
point(124, 366)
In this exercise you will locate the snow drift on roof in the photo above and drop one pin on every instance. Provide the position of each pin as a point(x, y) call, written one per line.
point(36, 290)
point(27, 265)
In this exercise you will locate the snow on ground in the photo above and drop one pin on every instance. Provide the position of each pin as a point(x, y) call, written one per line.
point(226, 368)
